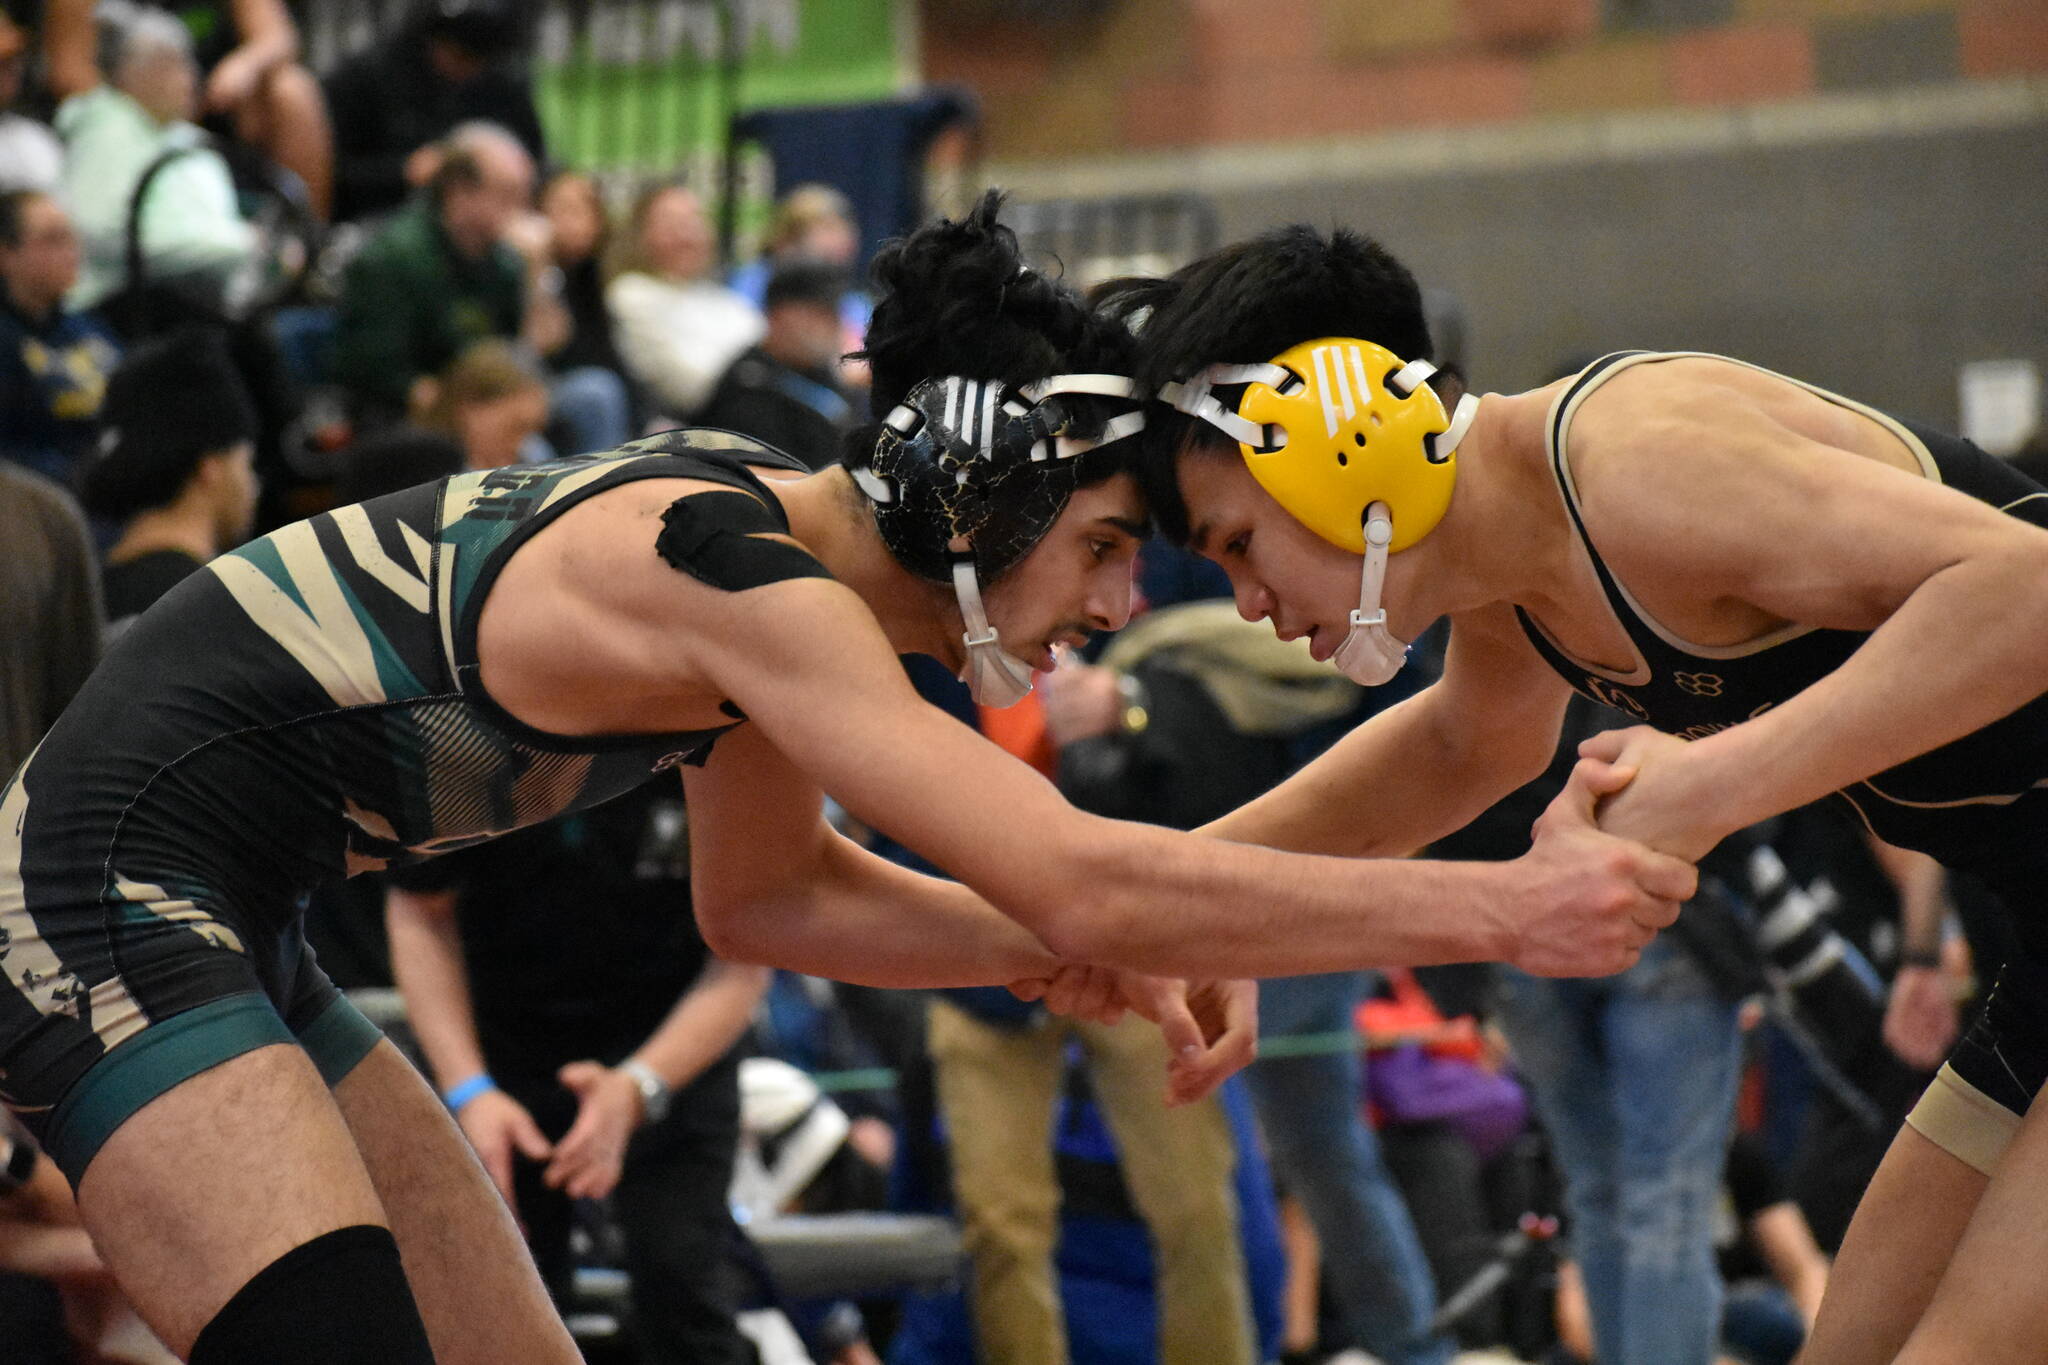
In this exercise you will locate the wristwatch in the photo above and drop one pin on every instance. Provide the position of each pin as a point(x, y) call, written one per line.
point(654, 1091)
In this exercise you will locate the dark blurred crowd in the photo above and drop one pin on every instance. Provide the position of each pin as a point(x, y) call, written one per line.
point(234, 292)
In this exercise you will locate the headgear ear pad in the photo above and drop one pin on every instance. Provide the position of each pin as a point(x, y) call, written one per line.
point(1351, 424)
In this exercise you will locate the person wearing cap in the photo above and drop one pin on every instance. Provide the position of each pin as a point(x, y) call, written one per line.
point(785, 390)
point(1798, 595)
point(426, 671)
point(174, 468)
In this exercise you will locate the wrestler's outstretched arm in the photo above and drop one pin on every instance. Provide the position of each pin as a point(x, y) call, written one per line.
point(809, 666)
point(1428, 765)
point(773, 882)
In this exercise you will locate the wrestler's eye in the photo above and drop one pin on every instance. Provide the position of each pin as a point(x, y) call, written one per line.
point(1101, 549)
point(1237, 545)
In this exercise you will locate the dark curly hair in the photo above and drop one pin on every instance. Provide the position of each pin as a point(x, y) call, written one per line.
point(1247, 303)
point(957, 298)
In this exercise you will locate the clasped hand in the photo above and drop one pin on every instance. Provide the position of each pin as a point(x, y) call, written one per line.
point(1211, 1028)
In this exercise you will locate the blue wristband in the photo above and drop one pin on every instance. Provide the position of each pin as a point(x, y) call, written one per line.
point(467, 1091)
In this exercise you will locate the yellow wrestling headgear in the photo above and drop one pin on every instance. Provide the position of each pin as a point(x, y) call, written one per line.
point(1331, 427)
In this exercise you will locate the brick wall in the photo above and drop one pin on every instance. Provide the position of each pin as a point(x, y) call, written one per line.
point(1160, 74)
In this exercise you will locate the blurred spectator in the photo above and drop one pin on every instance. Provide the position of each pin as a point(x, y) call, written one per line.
point(592, 405)
point(580, 242)
point(1001, 1070)
point(252, 87)
point(491, 403)
point(799, 1152)
point(1191, 713)
point(812, 223)
point(1772, 1272)
point(467, 260)
point(481, 414)
point(580, 237)
point(1634, 1076)
point(1892, 906)
point(394, 104)
point(49, 609)
point(785, 390)
point(677, 326)
point(42, 1239)
point(31, 157)
point(585, 1039)
point(175, 468)
point(129, 95)
point(53, 362)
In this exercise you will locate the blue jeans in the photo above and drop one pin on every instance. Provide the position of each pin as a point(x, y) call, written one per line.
point(1634, 1076)
point(590, 404)
point(1761, 1325)
point(1327, 1157)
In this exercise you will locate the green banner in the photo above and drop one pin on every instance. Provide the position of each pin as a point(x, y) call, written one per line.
point(641, 88)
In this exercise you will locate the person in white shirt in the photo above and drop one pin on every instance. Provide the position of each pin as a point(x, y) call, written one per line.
point(116, 121)
point(678, 327)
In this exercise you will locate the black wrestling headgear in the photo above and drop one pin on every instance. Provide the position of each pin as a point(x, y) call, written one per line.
point(971, 468)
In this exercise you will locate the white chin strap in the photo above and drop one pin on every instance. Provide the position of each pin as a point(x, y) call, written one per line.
point(1370, 653)
point(995, 676)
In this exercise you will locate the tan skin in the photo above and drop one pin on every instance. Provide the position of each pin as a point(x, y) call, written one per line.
point(1827, 522)
point(40, 269)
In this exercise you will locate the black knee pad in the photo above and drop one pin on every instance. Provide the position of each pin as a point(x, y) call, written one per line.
point(340, 1299)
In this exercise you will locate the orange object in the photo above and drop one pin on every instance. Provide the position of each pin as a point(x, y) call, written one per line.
point(1020, 730)
point(1410, 1016)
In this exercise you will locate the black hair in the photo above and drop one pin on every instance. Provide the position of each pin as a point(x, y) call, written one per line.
point(820, 284)
point(1245, 304)
point(956, 298)
point(13, 210)
point(173, 401)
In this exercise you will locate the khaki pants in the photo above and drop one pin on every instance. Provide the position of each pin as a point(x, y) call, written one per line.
point(997, 1089)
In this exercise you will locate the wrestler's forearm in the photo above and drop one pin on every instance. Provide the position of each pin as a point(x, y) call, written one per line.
point(1395, 784)
point(1174, 906)
point(1148, 900)
point(861, 919)
point(1967, 648)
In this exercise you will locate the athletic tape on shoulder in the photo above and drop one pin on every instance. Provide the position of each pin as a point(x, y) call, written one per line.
point(724, 539)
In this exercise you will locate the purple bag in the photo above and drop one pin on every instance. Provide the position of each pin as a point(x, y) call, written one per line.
point(1407, 1084)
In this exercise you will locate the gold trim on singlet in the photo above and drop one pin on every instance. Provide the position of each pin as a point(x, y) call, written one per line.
point(1964, 1121)
point(1558, 425)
